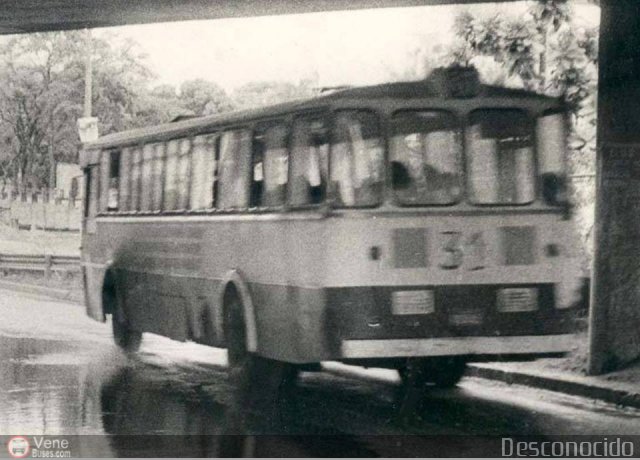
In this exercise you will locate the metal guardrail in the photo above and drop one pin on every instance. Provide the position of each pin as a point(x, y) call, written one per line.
point(47, 264)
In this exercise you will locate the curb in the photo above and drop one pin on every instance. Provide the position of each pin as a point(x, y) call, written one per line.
point(570, 387)
point(68, 295)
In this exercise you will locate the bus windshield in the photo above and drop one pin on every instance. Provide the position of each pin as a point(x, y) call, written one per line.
point(425, 158)
point(500, 157)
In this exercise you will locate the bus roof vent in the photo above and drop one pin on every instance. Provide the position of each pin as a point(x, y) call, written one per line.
point(455, 81)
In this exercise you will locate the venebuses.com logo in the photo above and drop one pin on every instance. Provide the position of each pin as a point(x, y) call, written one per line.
point(39, 447)
point(18, 447)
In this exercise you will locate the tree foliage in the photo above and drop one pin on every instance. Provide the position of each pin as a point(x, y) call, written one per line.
point(543, 51)
point(42, 79)
point(42, 93)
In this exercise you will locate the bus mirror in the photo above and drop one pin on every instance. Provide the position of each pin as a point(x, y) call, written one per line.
point(400, 175)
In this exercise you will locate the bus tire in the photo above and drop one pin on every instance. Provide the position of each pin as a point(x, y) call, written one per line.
point(124, 337)
point(127, 339)
point(441, 372)
point(261, 384)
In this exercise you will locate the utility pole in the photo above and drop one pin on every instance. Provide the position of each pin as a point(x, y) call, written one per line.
point(88, 125)
point(88, 76)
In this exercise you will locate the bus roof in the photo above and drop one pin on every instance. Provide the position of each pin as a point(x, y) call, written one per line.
point(400, 90)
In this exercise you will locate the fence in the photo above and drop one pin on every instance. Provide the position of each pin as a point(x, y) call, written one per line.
point(48, 264)
point(34, 210)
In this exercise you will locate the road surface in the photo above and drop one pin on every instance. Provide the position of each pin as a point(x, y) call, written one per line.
point(61, 375)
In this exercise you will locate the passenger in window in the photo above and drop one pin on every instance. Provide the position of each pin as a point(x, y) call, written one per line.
point(425, 158)
point(429, 176)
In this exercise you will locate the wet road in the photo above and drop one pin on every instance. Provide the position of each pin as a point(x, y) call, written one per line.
point(61, 374)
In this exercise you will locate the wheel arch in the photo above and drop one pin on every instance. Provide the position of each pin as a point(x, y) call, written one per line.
point(234, 280)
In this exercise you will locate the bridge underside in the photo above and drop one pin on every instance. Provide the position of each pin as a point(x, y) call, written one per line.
point(20, 16)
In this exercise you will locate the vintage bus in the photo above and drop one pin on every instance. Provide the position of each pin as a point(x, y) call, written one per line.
point(414, 226)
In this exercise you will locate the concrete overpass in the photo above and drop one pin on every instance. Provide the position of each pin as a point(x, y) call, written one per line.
point(18, 16)
point(615, 315)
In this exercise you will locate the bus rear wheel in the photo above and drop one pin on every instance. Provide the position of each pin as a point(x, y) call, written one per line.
point(441, 372)
point(125, 338)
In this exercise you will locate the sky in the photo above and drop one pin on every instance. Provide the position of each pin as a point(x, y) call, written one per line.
point(349, 47)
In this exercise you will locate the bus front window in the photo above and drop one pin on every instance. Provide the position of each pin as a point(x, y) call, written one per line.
point(500, 157)
point(425, 158)
point(357, 159)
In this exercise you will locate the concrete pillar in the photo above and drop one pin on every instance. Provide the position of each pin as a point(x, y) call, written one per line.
point(615, 296)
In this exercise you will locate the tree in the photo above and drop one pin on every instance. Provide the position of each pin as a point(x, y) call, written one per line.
point(203, 97)
point(36, 103)
point(42, 91)
point(544, 51)
point(541, 48)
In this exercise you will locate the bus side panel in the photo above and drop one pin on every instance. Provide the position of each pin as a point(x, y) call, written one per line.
point(93, 277)
point(283, 263)
point(93, 271)
point(291, 322)
point(156, 304)
point(172, 274)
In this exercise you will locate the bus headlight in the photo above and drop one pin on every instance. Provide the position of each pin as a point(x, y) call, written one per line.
point(517, 300)
point(412, 302)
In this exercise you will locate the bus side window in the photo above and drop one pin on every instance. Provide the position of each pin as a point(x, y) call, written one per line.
point(269, 166)
point(136, 173)
point(125, 179)
point(235, 161)
point(104, 180)
point(93, 187)
point(146, 189)
point(114, 181)
point(156, 181)
point(202, 178)
point(357, 159)
point(170, 179)
point(309, 162)
point(184, 173)
point(256, 186)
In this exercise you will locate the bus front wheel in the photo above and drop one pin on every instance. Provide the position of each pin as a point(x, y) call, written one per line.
point(261, 383)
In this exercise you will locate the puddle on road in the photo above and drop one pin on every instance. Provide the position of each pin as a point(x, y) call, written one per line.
point(60, 387)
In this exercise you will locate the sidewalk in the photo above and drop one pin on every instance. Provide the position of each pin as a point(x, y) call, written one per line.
point(567, 375)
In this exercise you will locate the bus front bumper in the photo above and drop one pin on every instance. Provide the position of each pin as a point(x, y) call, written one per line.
point(510, 345)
